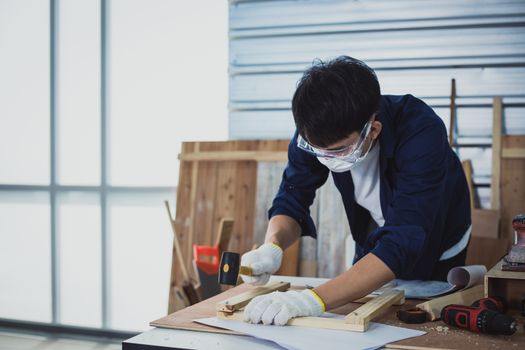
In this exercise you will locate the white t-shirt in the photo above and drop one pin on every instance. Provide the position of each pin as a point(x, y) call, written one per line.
point(365, 175)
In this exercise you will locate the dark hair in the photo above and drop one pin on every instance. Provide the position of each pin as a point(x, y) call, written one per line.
point(334, 99)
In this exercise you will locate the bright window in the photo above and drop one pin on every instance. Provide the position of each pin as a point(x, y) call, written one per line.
point(95, 100)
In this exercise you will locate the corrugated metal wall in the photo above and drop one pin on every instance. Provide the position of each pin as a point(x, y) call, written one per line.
point(415, 47)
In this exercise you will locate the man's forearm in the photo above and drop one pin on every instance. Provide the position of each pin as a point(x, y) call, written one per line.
point(283, 231)
point(367, 275)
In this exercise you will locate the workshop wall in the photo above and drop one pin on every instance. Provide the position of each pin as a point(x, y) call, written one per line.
point(415, 47)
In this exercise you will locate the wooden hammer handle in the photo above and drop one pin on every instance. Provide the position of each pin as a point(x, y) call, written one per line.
point(246, 271)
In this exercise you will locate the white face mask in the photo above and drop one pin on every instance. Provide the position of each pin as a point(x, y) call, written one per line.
point(336, 165)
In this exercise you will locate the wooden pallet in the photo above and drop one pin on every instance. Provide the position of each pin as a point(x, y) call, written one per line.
point(219, 180)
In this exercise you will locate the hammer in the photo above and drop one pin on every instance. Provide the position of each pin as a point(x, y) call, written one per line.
point(230, 268)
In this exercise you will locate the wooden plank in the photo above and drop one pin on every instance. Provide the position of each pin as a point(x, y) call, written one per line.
point(495, 198)
point(187, 283)
point(308, 257)
point(513, 153)
point(224, 235)
point(182, 224)
point(187, 248)
point(464, 297)
point(180, 300)
point(486, 251)
point(205, 205)
point(467, 169)
point(218, 156)
point(452, 123)
point(512, 186)
point(225, 195)
point(371, 296)
point(178, 252)
point(241, 300)
point(269, 175)
point(305, 321)
point(485, 223)
point(245, 192)
point(361, 317)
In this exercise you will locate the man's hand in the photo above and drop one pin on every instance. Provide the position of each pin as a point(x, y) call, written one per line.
point(264, 261)
point(278, 307)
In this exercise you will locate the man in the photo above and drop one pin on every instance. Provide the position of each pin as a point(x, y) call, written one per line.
point(402, 186)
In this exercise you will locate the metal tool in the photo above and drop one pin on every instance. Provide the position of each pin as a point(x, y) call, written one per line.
point(484, 316)
point(230, 268)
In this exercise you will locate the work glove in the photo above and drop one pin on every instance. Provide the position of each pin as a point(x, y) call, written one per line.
point(264, 261)
point(278, 307)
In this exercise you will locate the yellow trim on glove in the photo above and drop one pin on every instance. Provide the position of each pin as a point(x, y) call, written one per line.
point(278, 247)
point(318, 299)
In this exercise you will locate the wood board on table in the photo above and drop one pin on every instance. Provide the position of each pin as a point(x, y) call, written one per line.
point(439, 335)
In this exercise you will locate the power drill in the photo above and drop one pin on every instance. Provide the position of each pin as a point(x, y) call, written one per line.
point(483, 316)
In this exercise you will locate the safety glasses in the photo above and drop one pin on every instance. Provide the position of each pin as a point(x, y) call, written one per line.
point(348, 153)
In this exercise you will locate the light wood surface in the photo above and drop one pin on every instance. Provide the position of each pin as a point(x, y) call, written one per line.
point(464, 297)
point(210, 191)
point(239, 301)
point(361, 317)
point(245, 270)
point(467, 169)
point(187, 284)
point(497, 111)
point(513, 153)
point(308, 321)
point(509, 285)
point(217, 156)
point(512, 186)
point(486, 251)
point(453, 122)
point(178, 251)
point(485, 223)
point(439, 335)
point(224, 235)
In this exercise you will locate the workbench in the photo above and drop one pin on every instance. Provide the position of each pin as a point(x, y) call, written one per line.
point(439, 335)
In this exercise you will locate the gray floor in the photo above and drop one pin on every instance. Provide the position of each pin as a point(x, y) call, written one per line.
point(22, 341)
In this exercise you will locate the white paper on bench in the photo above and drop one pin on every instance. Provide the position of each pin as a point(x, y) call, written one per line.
point(293, 337)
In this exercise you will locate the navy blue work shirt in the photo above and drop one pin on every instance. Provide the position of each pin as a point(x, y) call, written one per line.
point(423, 191)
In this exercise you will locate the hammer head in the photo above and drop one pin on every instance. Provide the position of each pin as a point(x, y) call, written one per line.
point(229, 268)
